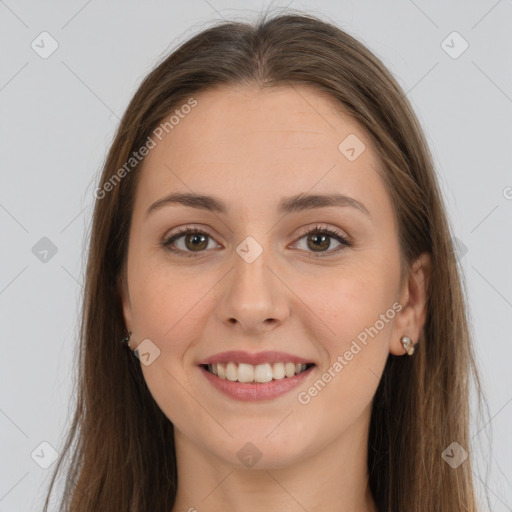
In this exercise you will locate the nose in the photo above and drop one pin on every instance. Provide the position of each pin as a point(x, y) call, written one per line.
point(253, 298)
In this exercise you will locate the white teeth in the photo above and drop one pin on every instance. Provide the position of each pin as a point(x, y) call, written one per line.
point(263, 373)
point(278, 371)
point(289, 369)
point(243, 372)
point(231, 372)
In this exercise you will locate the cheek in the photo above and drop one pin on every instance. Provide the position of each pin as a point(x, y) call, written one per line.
point(167, 301)
point(170, 312)
point(357, 317)
point(349, 300)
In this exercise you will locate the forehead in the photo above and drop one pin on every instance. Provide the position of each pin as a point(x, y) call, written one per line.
point(257, 143)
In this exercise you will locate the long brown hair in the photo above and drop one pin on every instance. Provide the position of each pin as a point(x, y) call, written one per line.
point(120, 443)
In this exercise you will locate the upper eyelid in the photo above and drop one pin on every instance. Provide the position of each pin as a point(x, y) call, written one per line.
point(303, 231)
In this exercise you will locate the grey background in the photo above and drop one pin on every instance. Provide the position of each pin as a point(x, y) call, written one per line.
point(59, 114)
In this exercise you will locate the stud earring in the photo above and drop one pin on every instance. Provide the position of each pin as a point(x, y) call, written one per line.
point(408, 345)
point(127, 339)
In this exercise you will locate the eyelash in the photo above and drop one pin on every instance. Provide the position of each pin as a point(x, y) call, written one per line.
point(315, 231)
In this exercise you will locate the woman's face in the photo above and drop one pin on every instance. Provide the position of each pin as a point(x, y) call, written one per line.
point(255, 280)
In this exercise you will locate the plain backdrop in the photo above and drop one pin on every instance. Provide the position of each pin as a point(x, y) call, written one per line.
point(58, 115)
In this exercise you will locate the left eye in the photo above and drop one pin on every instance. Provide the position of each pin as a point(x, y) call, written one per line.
point(193, 236)
point(319, 238)
point(196, 241)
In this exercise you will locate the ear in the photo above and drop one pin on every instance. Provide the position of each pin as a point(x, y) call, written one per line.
point(413, 298)
point(125, 302)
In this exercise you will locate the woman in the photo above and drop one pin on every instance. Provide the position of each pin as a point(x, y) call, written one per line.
point(270, 244)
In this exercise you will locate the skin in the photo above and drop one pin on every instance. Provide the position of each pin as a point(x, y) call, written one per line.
point(251, 147)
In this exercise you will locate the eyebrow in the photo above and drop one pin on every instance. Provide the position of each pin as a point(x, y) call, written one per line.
point(300, 202)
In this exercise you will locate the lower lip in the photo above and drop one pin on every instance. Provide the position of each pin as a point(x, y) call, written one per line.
point(251, 392)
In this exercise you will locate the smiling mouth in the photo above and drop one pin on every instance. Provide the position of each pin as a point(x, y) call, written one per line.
point(256, 374)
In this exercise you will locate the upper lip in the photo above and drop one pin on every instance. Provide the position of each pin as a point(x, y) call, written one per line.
point(240, 356)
